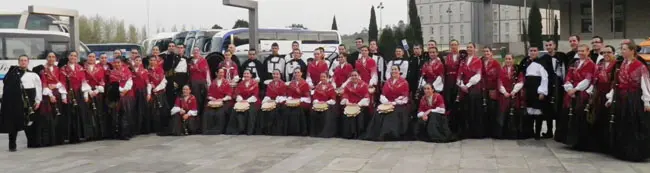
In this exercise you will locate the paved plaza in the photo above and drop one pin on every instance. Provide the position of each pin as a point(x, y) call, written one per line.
point(275, 154)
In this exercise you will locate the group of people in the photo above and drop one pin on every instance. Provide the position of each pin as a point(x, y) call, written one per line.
point(599, 102)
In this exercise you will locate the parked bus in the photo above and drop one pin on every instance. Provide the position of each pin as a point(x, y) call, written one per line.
point(203, 41)
point(35, 44)
point(161, 40)
point(308, 40)
point(109, 48)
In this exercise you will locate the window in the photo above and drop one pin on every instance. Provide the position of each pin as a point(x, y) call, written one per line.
point(267, 36)
point(307, 37)
point(430, 9)
point(451, 37)
point(431, 38)
point(495, 38)
point(462, 39)
point(505, 13)
point(421, 19)
point(451, 29)
point(507, 37)
point(442, 39)
point(31, 47)
point(585, 9)
point(495, 27)
point(421, 10)
point(496, 14)
point(461, 7)
point(287, 36)
point(507, 27)
point(240, 38)
point(462, 19)
point(617, 22)
point(432, 31)
point(440, 18)
point(442, 29)
point(462, 29)
point(328, 38)
point(585, 26)
point(430, 19)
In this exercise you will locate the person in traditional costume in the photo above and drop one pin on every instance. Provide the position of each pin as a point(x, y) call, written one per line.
point(142, 88)
point(382, 63)
point(275, 61)
point(536, 88)
point(334, 61)
point(367, 71)
point(392, 121)
point(452, 63)
point(122, 100)
point(200, 79)
point(315, 68)
point(295, 63)
point(341, 73)
point(415, 69)
point(51, 104)
point(297, 105)
point(158, 106)
point(400, 62)
point(184, 119)
point(576, 101)
point(602, 84)
point(354, 56)
point(571, 56)
point(95, 77)
point(355, 100)
point(230, 68)
point(491, 72)
point(324, 113)
point(471, 97)
point(510, 112)
point(243, 119)
point(232, 49)
point(219, 105)
point(557, 71)
point(294, 46)
point(253, 65)
point(175, 71)
point(155, 54)
point(22, 94)
point(432, 71)
point(81, 127)
point(630, 101)
point(272, 120)
point(432, 123)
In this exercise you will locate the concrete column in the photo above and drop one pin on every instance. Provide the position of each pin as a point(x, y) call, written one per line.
point(482, 33)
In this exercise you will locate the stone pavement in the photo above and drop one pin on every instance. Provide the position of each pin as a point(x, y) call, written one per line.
point(273, 154)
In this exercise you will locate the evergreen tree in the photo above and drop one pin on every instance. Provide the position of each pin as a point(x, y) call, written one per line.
point(373, 32)
point(85, 31)
point(98, 25)
point(334, 26)
point(556, 31)
point(120, 33)
point(216, 26)
point(143, 33)
point(535, 26)
point(387, 42)
point(415, 25)
point(183, 28)
point(240, 24)
point(109, 30)
point(133, 34)
point(174, 29)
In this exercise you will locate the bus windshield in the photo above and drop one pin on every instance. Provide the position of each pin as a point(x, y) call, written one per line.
point(645, 50)
point(188, 44)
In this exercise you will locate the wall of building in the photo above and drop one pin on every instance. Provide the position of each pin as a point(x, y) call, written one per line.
point(632, 17)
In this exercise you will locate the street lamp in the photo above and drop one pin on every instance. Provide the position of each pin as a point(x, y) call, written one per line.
point(380, 7)
point(449, 26)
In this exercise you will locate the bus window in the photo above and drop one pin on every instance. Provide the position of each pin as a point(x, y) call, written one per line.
point(57, 48)
point(1, 51)
point(9, 21)
point(31, 47)
point(287, 36)
point(328, 38)
point(308, 38)
point(41, 22)
point(241, 39)
point(267, 36)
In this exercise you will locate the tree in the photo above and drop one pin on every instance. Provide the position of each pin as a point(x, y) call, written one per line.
point(387, 42)
point(373, 32)
point(85, 30)
point(300, 26)
point(216, 26)
point(416, 25)
point(240, 24)
point(109, 30)
point(133, 34)
point(157, 30)
point(174, 29)
point(98, 23)
point(556, 31)
point(163, 29)
point(334, 26)
point(143, 33)
point(120, 33)
point(535, 26)
point(183, 28)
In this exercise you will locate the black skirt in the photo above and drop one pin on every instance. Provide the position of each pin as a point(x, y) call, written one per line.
point(99, 113)
point(353, 127)
point(141, 117)
point(199, 90)
point(296, 121)
point(388, 126)
point(474, 115)
point(632, 128)
point(215, 120)
point(450, 94)
point(578, 131)
point(532, 97)
point(435, 129)
point(45, 122)
point(324, 124)
point(122, 114)
point(493, 122)
point(180, 127)
point(509, 123)
point(160, 113)
point(75, 124)
point(278, 118)
point(242, 122)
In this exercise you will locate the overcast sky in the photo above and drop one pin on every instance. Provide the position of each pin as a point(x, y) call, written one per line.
point(351, 15)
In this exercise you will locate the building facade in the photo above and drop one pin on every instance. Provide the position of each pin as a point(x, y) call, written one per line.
point(444, 20)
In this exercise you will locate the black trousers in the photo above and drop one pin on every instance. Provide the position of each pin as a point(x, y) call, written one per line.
point(12, 139)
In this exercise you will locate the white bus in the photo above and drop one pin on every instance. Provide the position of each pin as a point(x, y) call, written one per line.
point(161, 40)
point(35, 44)
point(308, 40)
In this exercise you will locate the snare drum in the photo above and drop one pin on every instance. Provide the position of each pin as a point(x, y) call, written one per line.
point(320, 107)
point(268, 106)
point(293, 103)
point(242, 106)
point(385, 108)
point(352, 110)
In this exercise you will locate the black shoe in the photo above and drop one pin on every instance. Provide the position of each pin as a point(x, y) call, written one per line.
point(12, 149)
point(547, 135)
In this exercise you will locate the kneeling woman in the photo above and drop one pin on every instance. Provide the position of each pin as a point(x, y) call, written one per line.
point(298, 102)
point(433, 125)
point(324, 113)
point(392, 120)
point(356, 98)
point(244, 114)
point(215, 117)
point(184, 114)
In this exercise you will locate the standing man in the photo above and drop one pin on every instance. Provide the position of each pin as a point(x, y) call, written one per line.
point(536, 87)
point(20, 83)
point(295, 63)
point(275, 61)
point(430, 44)
point(253, 65)
point(380, 60)
point(554, 60)
point(176, 71)
point(415, 64)
point(294, 46)
point(571, 56)
point(356, 55)
point(597, 43)
point(335, 61)
point(399, 61)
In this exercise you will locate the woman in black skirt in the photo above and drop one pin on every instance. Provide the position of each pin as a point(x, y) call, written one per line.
point(273, 121)
point(184, 114)
point(215, 117)
point(159, 107)
point(511, 109)
point(243, 121)
point(432, 123)
point(389, 126)
point(298, 102)
point(355, 93)
point(324, 121)
point(142, 88)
